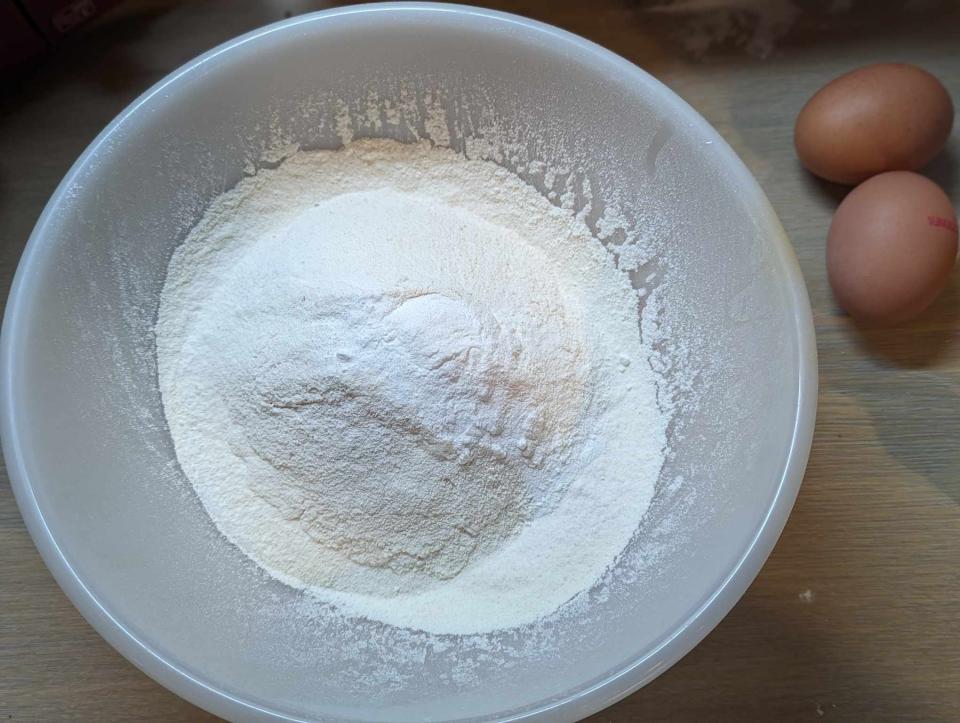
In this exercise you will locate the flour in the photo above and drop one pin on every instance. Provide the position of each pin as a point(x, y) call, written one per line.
point(406, 382)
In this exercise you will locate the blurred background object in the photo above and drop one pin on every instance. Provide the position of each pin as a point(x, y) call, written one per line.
point(30, 28)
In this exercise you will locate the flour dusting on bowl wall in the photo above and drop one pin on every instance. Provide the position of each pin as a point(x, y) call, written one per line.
point(499, 340)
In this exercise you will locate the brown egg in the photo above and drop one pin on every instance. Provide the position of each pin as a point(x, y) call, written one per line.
point(885, 117)
point(891, 247)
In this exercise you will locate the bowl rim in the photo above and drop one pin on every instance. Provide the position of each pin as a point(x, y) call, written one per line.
point(618, 683)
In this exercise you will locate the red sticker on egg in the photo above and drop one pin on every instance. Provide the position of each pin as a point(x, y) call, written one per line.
point(942, 222)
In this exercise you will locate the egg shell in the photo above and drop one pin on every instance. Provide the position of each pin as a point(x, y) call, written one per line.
point(884, 117)
point(891, 247)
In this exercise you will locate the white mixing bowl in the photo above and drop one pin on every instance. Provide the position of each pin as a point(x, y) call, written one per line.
point(91, 460)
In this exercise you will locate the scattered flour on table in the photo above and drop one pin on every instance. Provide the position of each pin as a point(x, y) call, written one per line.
point(408, 383)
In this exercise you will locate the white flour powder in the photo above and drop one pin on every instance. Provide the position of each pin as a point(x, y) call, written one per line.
point(406, 382)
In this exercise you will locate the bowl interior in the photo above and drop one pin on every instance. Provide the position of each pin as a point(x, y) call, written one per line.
point(87, 428)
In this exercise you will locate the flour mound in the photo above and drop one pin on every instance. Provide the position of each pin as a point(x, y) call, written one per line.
point(402, 380)
point(397, 419)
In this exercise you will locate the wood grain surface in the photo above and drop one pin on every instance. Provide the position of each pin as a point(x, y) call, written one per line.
point(855, 616)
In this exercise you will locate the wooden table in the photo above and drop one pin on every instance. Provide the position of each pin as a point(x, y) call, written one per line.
point(855, 616)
